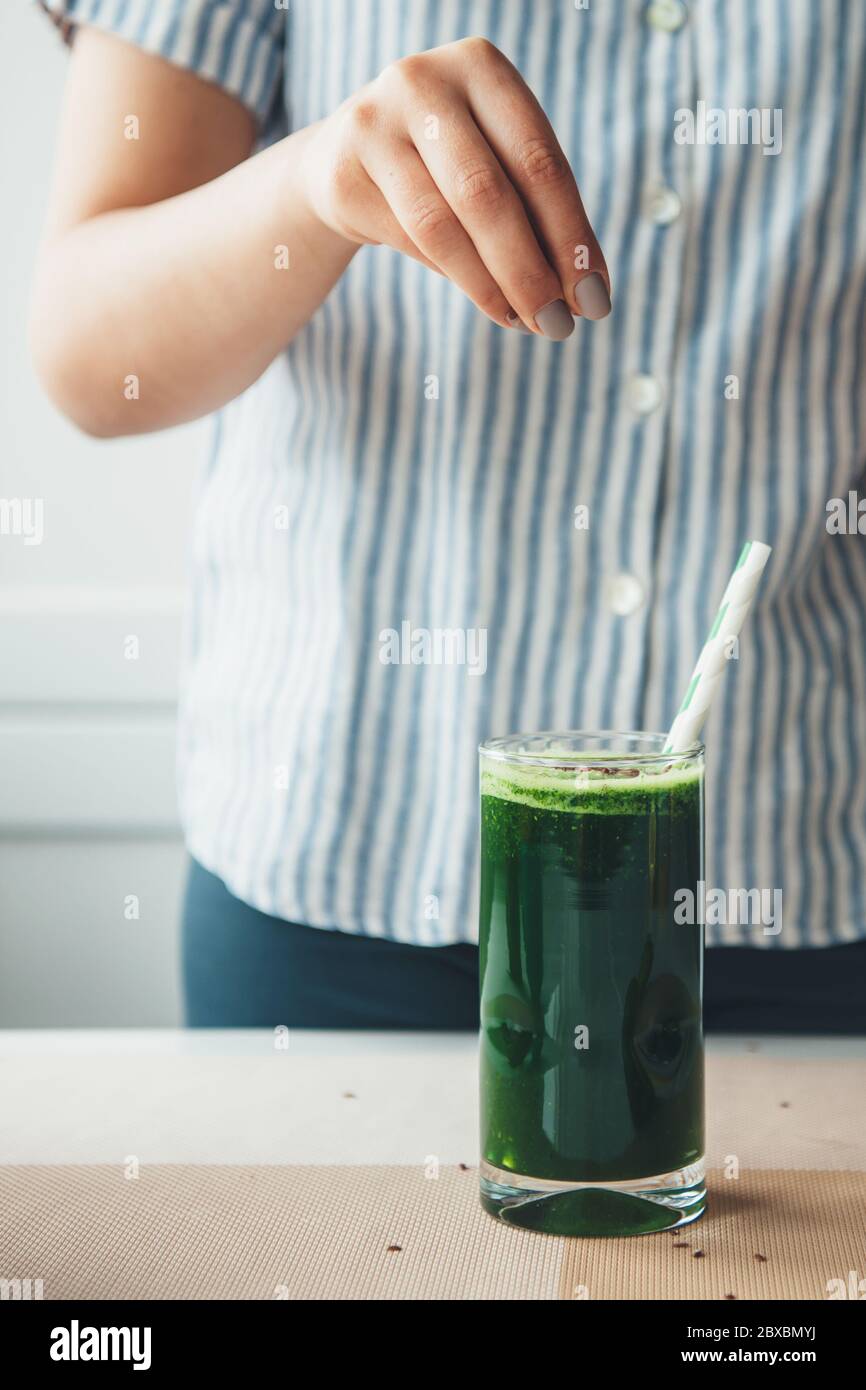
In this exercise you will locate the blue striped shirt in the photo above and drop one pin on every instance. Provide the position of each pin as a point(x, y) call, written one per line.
point(404, 461)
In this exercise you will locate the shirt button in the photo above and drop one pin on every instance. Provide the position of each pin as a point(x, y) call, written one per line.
point(644, 394)
point(667, 15)
point(624, 594)
point(663, 206)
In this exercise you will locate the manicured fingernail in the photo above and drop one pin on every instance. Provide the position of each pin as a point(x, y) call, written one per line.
point(592, 297)
point(515, 321)
point(555, 321)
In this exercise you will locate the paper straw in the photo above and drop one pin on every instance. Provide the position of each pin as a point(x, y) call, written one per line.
point(732, 612)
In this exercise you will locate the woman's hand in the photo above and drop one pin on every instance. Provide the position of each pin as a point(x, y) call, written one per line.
point(148, 270)
point(448, 157)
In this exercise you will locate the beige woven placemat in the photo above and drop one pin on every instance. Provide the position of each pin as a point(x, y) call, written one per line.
point(392, 1233)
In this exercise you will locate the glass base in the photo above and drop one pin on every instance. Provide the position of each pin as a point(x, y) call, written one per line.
point(631, 1208)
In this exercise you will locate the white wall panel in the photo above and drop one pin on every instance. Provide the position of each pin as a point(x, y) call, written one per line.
point(87, 784)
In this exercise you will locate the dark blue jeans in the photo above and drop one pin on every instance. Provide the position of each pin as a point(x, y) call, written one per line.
point(244, 969)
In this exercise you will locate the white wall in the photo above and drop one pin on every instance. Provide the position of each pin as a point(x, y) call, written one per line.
point(87, 807)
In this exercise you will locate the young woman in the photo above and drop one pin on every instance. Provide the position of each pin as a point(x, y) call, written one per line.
point(448, 434)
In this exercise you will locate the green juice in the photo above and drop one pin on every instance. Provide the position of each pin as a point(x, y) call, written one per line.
point(591, 1040)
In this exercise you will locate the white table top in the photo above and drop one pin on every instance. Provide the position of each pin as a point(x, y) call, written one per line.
point(234, 1096)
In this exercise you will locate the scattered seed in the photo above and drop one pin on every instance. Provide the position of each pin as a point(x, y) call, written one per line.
point(762, 1258)
point(349, 1095)
point(394, 1249)
point(730, 1295)
point(785, 1104)
point(681, 1245)
point(602, 771)
point(699, 1254)
point(464, 1167)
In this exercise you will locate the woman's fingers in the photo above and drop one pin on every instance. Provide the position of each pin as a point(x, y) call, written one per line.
point(474, 185)
point(486, 203)
point(358, 210)
point(448, 157)
point(525, 144)
point(429, 222)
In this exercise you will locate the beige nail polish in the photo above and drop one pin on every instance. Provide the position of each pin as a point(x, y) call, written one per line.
point(592, 297)
point(555, 321)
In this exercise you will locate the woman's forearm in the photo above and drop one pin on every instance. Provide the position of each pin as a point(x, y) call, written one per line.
point(146, 317)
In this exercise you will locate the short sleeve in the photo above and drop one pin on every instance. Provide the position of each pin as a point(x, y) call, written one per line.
point(238, 44)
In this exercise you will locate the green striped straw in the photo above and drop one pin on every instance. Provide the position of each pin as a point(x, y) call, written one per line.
point(735, 604)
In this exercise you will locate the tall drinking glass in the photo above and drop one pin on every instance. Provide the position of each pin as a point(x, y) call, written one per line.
point(592, 1062)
